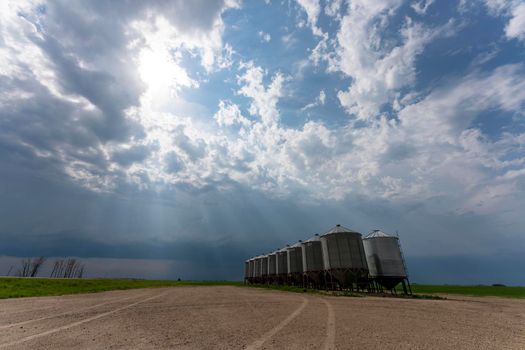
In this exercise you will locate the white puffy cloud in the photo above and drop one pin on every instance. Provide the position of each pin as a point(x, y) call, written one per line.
point(433, 149)
point(333, 8)
point(146, 102)
point(312, 9)
point(82, 83)
point(430, 149)
point(378, 68)
point(264, 99)
point(514, 10)
point(516, 26)
point(230, 114)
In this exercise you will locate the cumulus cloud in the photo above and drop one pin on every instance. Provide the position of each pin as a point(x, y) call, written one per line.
point(134, 135)
point(333, 8)
point(454, 152)
point(264, 99)
point(514, 10)
point(312, 9)
point(378, 68)
point(419, 156)
point(230, 114)
point(146, 101)
point(516, 26)
point(77, 84)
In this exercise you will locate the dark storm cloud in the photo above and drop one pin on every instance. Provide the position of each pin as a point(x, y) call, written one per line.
point(49, 124)
point(81, 245)
point(104, 90)
point(90, 82)
point(467, 269)
point(64, 114)
point(212, 228)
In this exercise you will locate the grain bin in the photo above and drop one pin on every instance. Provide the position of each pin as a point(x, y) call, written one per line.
point(312, 255)
point(251, 270)
point(264, 268)
point(344, 259)
point(295, 264)
point(246, 271)
point(386, 265)
point(272, 267)
point(257, 268)
point(282, 266)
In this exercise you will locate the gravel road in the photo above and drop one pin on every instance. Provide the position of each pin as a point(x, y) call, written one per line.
point(249, 318)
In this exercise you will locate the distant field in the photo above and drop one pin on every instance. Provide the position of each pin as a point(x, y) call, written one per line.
point(31, 287)
point(480, 291)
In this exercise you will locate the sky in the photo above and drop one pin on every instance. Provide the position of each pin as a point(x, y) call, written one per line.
point(167, 139)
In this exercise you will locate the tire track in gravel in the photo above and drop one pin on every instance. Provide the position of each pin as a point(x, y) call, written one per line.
point(21, 323)
point(268, 335)
point(77, 323)
point(330, 326)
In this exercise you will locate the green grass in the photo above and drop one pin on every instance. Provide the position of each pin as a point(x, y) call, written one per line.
point(480, 291)
point(31, 287)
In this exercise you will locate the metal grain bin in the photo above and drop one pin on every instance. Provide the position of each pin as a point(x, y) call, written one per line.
point(312, 255)
point(264, 267)
point(272, 264)
point(344, 258)
point(383, 255)
point(294, 257)
point(257, 268)
point(282, 265)
point(251, 268)
point(385, 259)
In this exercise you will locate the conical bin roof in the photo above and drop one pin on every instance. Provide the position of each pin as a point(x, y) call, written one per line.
point(378, 234)
point(312, 239)
point(338, 229)
point(295, 245)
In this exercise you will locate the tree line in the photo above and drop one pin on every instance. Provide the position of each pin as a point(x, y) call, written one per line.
point(62, 268)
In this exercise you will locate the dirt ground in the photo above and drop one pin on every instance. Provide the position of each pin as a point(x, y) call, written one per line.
point(249, 318)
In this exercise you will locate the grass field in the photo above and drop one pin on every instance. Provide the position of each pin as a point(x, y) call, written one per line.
point(29, 287)
point(480, 291)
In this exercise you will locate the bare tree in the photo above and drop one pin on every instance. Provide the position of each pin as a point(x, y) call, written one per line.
point(54, 270)
point(30, 267)
point(36, 264)
point(67, 268)
point(60, 268)
point(25, 266)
